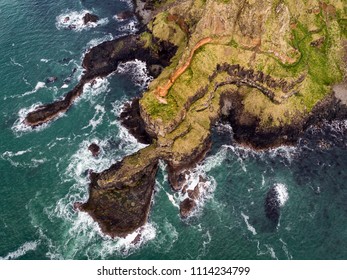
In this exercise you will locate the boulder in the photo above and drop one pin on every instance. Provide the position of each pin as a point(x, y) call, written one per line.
point(186, 207)
point(94, 149)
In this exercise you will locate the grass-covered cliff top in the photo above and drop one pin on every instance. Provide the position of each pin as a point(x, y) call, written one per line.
point(300, 43)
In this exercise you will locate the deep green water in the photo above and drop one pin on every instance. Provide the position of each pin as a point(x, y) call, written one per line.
point(43, 171)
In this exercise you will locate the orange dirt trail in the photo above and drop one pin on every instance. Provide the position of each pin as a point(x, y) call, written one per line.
point(161, 91)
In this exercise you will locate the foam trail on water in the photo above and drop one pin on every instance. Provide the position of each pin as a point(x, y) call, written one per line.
point(97, 118)
point(249, 226)
point(16, 63)
point(21, 251)
point(38, 86)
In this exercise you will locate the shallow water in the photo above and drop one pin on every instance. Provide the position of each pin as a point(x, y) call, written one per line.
point(44, 169)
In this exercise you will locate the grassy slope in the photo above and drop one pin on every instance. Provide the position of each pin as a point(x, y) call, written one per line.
point(287, 33)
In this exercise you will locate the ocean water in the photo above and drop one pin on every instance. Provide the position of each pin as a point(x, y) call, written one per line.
point(43, 170)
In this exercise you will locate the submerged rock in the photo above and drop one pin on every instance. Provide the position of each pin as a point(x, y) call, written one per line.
point(272, 205)
point(51, 79)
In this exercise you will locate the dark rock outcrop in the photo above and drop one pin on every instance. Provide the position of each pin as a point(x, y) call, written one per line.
point(101, 61)
point(124, 15)
point(120, 207)
point(186, 207)
point(94, 149)
point(90, 18)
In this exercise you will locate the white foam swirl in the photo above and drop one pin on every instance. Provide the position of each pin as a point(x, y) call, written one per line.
point(21, 251)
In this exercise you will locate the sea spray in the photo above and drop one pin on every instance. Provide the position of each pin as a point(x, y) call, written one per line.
point(73, 20)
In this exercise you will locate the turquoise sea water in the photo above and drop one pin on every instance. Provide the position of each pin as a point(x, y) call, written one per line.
point(43, 171)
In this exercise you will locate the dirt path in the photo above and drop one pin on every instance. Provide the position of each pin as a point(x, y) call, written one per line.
point(161, 91)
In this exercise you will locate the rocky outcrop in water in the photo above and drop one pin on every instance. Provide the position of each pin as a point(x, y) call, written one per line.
point(101, 61)
point(90, 18)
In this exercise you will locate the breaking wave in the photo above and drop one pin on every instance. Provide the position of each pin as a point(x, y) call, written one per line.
point(73, 20)
point(138, 71)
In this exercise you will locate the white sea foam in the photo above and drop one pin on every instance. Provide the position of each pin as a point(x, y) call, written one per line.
point(271, 251)
point(249, 226)
point(268, 250)
point(97, 118)
point(129, 244)
point(128, 143)
point(44, 60)
point(73, 20)
point(19, 127)
point(285, 249)
point(138, 71)
point(14, 154)
point(21, 251)
point(282, 193)
point(38, 86)
point(130, 27)
point(97, 41)
point(95, 88)
point(16, 159)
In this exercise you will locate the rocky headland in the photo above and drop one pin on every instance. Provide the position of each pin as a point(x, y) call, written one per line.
point(269, 68)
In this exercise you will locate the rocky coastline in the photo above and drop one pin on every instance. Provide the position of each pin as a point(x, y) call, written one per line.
point(178, 131)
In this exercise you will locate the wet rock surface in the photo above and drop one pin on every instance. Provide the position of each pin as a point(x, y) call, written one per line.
point(90, 18)
point(94, 149)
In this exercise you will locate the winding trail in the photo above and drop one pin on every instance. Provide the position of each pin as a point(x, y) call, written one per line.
point(161, 91)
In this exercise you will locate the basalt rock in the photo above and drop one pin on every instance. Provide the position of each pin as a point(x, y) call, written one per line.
point(90, 18)
point(124, 15)
point(186, 207)
point(131, 119)
point(121, 206)
point(101, 61)
point(94, 149)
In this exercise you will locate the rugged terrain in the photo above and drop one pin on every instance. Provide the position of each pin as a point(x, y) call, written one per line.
point(267, 67)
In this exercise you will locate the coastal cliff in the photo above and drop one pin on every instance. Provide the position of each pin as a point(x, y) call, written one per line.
point(266, 67)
